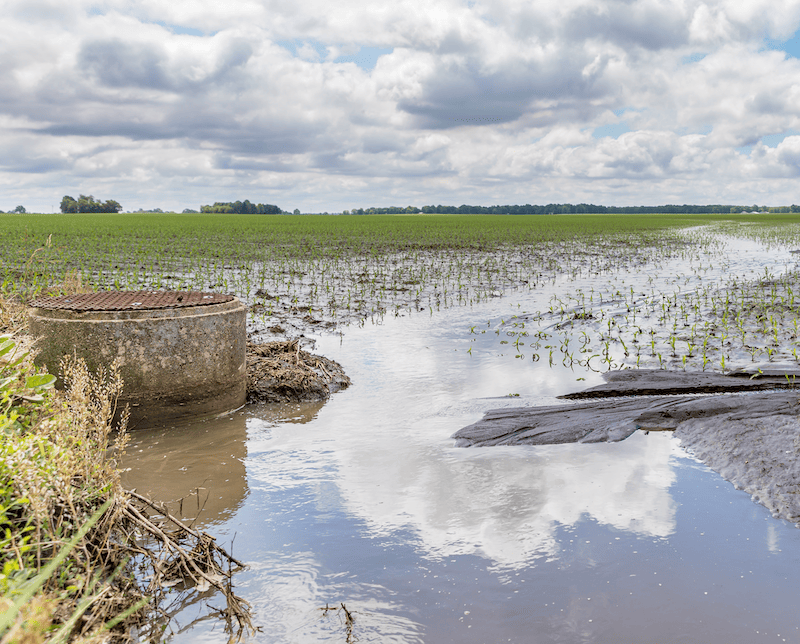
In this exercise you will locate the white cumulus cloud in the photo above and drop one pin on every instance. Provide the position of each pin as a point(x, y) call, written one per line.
point(322, 106)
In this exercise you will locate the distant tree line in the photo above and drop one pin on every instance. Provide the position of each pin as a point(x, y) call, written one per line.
point(88, 203)
point(242, 208)
point(568, 209)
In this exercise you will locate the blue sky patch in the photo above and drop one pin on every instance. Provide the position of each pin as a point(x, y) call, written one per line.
point(366, 58)
point(696, 57)
point(614, 130)
point(772, 140)
point(790, 47)
point(177, 29)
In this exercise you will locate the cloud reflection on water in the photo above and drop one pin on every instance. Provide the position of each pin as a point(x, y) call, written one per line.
point(509, 505)
point(284, 590)
point(505, 504)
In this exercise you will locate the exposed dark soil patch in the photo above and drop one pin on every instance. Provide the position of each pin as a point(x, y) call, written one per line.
point(613, 420)
point(655, 382)
point(750, 439)
point(279, 372)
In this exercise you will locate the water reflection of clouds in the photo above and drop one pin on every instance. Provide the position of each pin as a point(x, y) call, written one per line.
point(508, 504)
point(385, 445)
point(287, 603)
point(505, 504)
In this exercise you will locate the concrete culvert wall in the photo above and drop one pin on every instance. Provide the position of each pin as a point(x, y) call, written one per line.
point(182, 355)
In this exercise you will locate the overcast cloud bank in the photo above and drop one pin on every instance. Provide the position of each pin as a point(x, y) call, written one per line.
point(332, 106)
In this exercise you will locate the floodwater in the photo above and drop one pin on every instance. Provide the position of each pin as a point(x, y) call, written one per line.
point(364, 501)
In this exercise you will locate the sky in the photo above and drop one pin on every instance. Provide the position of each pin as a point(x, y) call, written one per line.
point(326, 106)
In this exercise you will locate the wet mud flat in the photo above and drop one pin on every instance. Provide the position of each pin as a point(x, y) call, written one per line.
point(748, 432)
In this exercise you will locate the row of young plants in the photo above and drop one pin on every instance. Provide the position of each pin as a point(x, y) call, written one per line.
point(708, 315)
point(345, 268)
point(342, 270)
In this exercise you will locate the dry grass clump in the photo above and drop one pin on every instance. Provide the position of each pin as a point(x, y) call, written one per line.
point(54, 480)
point(71, 285)
point(12, 316)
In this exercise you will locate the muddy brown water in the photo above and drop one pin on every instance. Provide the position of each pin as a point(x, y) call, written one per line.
point(365, 500)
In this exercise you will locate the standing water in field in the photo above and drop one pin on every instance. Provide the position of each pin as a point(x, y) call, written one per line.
point(360, 520)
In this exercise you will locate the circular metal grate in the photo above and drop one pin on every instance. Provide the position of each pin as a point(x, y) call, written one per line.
point(130, 300)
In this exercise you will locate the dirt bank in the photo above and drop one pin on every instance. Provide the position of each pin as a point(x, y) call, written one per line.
point(758, 455)
point(751, 439)
point(283, 372)
point(650, 382)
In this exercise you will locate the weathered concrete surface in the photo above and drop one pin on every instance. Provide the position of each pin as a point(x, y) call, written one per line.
point(175, 363)
point(614, 419)
point(648, 382)
point(282, 372)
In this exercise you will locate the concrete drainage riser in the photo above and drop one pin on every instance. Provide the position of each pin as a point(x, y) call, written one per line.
point(176, 363)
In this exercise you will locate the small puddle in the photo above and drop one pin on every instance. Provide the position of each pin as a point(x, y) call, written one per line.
point(365, 501)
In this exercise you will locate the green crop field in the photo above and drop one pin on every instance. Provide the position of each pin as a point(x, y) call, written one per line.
point(146, 250)
point(345, 265)
point(337, 270)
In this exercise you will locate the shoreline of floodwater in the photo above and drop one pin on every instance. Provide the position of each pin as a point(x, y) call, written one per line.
point(71, 531)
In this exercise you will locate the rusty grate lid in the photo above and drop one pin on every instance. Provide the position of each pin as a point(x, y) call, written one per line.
point(130, 300)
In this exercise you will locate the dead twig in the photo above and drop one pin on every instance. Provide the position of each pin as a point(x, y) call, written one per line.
point(325, 371)
point(349, 620)
point(197, 565)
